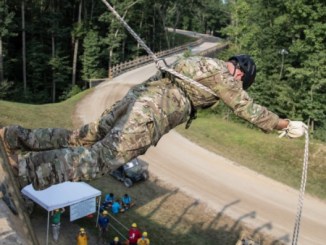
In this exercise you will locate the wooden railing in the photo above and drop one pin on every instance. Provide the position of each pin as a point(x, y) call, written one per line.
point(123, 67)
point(213, 51)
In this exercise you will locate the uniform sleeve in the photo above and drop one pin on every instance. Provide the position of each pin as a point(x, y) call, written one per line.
point(232, 94)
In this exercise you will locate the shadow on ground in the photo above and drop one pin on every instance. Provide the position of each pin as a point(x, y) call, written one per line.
point(168, 215)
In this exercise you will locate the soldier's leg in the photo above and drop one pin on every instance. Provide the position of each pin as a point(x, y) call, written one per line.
point(45, 168)
point(158, 108)
point(93, 132)
point(152, 112)
point(19, 138)
point(16, 137)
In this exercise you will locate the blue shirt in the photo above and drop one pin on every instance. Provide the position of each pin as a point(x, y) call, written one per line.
point(126, 200)
point(108, 198)
point(115, 207)
point(103, 221)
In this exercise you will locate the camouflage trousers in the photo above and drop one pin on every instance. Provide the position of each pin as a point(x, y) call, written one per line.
point(123, 132)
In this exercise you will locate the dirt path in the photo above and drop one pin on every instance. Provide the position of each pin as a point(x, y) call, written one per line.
point(244, 195)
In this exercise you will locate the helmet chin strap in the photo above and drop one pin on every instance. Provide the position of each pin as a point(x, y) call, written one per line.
point(234, 71)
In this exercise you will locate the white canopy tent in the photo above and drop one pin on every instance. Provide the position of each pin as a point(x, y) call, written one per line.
point(61, 195)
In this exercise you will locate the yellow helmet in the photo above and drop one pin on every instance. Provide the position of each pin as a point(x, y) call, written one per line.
point(144, 234)
point(134, 225)
point(116, 239)
point(105, 212)
point(82, 230)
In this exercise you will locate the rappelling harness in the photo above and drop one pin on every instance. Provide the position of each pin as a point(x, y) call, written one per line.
point(165, 68)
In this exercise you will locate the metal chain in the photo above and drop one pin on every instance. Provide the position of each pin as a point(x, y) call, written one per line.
point(302, 190)
point(154, 57)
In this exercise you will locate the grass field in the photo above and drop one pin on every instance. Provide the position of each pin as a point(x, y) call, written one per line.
point(170, 216)
point(38, 116)
point(280, 159)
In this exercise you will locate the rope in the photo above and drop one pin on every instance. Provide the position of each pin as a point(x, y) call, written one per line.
point(302, 190)
point(153, 56)
point(112, 217)
point(117, 230)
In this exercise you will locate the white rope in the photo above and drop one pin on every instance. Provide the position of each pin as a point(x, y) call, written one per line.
point(116, 229)
point(153, 56)
point(122, 225)
point(302, 190)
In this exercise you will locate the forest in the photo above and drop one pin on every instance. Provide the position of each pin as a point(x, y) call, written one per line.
point(49, 49)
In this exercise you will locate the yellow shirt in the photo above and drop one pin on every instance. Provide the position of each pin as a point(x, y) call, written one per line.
point(82, 240)
point(143, 241)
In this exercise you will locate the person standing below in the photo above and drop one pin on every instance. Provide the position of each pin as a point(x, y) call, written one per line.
point(103, 224)
point(134, 234)
point(143, 240)
point(56, 222)
point(82, 238)
point(116, 241)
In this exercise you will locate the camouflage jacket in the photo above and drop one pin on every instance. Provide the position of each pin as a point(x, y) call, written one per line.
point(214, 74)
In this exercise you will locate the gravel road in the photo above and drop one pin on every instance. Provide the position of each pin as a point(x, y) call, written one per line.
point(225, 186)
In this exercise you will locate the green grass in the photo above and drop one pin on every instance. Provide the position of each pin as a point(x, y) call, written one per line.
point(280, 159)
point(37, 116)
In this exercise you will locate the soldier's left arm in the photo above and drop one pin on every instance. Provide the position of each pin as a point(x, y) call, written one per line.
point(243, 106)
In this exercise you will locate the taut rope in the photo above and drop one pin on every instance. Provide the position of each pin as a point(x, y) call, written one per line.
point(302, 190)
point(153, 56)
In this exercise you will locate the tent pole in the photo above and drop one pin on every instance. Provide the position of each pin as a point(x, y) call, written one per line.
point(47, 229)
point(98, 210)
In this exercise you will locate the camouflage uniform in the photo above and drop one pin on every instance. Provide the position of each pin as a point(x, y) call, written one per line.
point(130, 126)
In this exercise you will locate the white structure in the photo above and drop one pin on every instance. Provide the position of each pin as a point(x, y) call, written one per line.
point(73, 194)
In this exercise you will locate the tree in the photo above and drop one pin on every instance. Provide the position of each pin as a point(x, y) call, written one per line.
point(116, 33)
point(308, 57)
point(77, 32)
point(24, 46)
point(6, 22)
point(265, 28)
point(91, 57)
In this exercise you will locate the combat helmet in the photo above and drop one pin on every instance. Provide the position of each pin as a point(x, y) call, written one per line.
point(248, 66)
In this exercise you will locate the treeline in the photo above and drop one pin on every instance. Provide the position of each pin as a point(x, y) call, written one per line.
point(49, 48)
point(287, 39)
